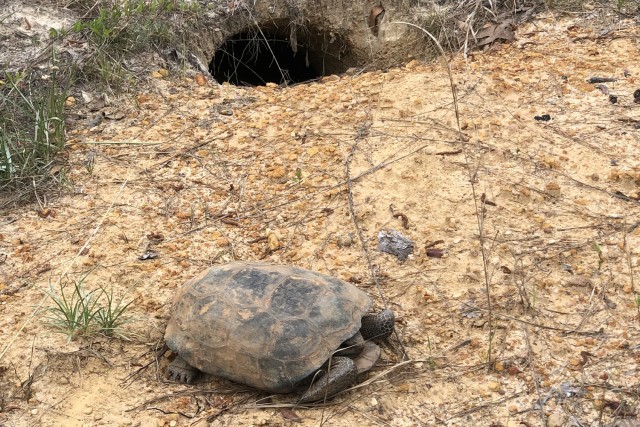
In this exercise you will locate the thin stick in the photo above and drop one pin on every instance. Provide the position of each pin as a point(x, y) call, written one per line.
point(352, 210)
point(362, 132)
point(472, 176)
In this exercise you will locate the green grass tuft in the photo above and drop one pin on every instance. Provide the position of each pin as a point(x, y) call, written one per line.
point(79, 312)
point(32, 129)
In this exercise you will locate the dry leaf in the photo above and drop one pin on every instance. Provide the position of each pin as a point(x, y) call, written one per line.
point(116, 115)
point(200, 79)
point(488, 35)
point(375, 16)
point(290, 414)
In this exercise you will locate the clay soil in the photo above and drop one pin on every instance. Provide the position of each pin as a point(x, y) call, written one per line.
point(517, 306)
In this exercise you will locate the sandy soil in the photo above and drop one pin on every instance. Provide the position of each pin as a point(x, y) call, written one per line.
point(536, 221)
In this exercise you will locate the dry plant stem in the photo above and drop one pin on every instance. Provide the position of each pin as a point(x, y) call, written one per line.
point(187, 393)
point(484, 406)
point(352, 210)
point(550, 328)
point(273, 55)
point(472, 176)
point(372, 380)
point(627, 253)
point(541, 401)
point(69, 264)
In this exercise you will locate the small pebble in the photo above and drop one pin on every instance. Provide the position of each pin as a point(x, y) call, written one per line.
point(345, 241)
point(173, 423)
point(556, 419)
point(494, 386)
point(34, 412)
point(552, 189)
point(88, 410)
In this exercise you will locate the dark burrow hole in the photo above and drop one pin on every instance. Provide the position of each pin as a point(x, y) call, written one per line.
point(257, 57)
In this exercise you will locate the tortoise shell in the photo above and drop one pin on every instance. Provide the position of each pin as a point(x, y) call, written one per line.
point(264, 325)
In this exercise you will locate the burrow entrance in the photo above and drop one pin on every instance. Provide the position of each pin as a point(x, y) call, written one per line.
point(281, 54)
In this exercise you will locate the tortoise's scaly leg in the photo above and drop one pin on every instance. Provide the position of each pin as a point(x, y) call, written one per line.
point(179, 370)
point(341, 373)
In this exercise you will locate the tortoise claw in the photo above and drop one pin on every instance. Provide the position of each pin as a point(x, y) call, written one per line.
point(180, 371)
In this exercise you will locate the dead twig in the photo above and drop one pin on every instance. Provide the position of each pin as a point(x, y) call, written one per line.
point(362, 132)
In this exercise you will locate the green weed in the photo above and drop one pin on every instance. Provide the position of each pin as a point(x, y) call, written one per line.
point(73, 313)
point(120, 29)
point(79, 312)
point(112, 316)
point(598, 250)
point(32, 129)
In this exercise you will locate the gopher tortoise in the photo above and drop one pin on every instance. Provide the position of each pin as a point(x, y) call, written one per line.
point(274, 327)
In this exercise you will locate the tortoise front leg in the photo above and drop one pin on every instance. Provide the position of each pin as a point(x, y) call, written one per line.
point(341, 373)
point(179, 370)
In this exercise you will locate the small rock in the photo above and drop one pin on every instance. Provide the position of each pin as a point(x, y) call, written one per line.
point(222, 241)
point(88, 410)
point(344, 241)
point(184, 214)
point(556, 419)
point(581, 281)
point(173, 423)
point(552, 189)
point(273, 242)
point(277, 172)
point(34, 411)
point(413, 64)
point(494, 386)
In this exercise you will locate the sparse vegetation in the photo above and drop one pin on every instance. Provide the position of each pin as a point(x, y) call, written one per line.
point(121, 29)
point(32, 131)
point(112, 315)
point(31, 126)
point(77, 311)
